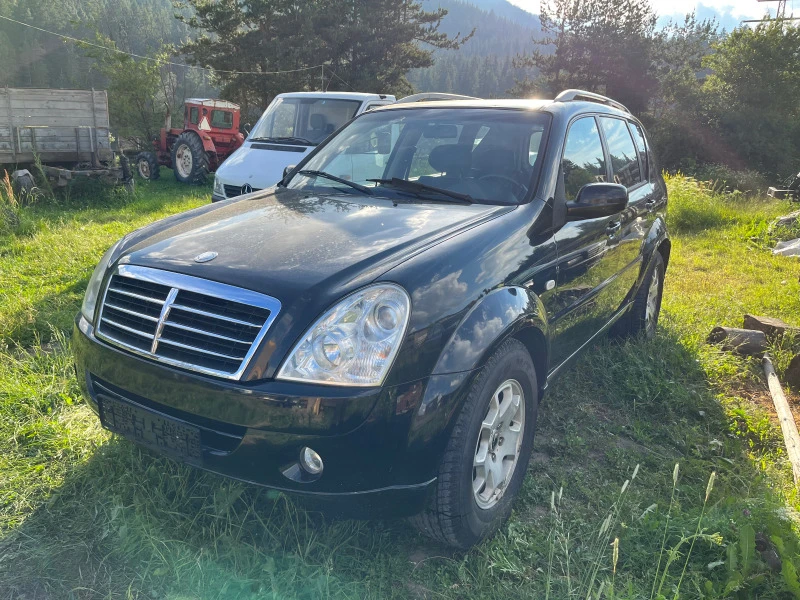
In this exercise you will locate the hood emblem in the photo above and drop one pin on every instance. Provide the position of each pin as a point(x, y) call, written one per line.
point(246, 188)
point(205, 257)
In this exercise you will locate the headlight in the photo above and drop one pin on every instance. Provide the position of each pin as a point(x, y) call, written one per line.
point(355, 342)
point(219, 189)
point(93, 289)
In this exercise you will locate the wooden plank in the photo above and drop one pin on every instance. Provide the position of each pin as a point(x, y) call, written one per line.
point(53, 103)
point(791, 437)
point(47, 93)
point(54, 122)
point(23, 158)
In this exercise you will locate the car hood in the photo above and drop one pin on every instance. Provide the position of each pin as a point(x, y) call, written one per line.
point(287, 244)
point(260, 165)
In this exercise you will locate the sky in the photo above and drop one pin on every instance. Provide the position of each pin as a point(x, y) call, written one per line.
point(728, 12)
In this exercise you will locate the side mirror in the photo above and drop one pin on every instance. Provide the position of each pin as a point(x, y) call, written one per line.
point(598, 200)
point(287, 170)
point(247, 127)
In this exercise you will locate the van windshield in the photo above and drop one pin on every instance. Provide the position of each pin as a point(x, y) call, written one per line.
point(305, 121)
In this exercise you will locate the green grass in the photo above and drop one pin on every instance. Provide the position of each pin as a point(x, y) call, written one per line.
point(86, 515)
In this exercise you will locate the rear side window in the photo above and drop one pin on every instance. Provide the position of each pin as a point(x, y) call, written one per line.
point(641, 148)
point(194, 115)
point(584, 161)
point(621, 152)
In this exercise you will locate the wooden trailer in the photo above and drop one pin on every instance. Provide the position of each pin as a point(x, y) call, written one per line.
point(67, 130)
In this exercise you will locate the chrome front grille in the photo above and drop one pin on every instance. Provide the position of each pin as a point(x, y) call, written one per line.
point(185, 321)
point(231, 191)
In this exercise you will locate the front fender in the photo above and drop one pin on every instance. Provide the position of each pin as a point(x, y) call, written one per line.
point(499, 314)
point(208, 143)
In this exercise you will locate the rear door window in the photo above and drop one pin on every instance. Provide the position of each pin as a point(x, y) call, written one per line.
point(621, 152)
point(641, 148)
point(584, 161)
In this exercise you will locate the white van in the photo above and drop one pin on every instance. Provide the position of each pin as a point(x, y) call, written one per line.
point(288, 130)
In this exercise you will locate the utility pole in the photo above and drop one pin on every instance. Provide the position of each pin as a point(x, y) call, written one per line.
point(780, 13)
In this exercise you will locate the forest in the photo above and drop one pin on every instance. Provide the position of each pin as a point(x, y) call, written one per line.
point(693, 85)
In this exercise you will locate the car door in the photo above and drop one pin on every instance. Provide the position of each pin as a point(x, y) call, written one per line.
point(625, 246)
point(650, 196)
point(587, 291)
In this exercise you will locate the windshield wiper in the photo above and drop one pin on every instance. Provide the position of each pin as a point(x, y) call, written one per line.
point(284, 140)
point(418, 188)
point(356, 186)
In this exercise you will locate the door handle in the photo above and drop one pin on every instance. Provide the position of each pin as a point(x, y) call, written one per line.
point(650, 203)
point(612, 227)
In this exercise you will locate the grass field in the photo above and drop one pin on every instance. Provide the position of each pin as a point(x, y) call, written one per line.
point(87, 515)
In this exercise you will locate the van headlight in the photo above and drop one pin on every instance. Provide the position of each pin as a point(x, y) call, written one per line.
point(353, 343)
point(219, 189)
point(93, 289)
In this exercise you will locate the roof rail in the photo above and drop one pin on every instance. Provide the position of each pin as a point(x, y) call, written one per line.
point(427, 96)
point(572, 95)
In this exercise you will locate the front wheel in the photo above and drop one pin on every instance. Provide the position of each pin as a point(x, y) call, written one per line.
point(488, 452)
point(189, 159)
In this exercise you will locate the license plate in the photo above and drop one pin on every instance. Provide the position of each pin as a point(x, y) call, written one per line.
point(168, 436)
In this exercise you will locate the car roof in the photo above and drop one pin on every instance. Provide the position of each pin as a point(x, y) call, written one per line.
point(212, 102)
point(568, 108)
point(338, 95)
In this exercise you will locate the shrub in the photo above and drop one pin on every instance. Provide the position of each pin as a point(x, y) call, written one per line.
point(722, 178)
point(695, 206)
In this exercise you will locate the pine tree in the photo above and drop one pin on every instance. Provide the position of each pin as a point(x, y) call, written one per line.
point(368, 45)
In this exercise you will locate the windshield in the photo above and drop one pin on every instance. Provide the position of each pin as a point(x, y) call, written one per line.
point(310, 119)
point(486, 155)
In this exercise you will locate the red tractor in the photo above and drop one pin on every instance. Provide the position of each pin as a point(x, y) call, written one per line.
point(210, 134)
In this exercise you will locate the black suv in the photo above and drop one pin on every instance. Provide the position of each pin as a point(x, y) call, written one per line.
point(376, 331)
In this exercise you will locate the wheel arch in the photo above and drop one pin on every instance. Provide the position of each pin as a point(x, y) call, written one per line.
point(537, 345)
point(664, 248)
point(515, 313)
point(502, 313)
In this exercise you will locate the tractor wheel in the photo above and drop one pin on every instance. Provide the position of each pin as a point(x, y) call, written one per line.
point(189, 159)
point(147, 166)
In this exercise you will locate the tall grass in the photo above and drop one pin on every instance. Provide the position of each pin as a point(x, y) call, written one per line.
point(86, 515)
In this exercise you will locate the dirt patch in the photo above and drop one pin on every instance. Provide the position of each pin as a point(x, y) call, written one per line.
point(758, 394)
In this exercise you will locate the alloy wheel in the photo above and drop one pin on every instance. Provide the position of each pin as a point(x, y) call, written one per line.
point(499, 442)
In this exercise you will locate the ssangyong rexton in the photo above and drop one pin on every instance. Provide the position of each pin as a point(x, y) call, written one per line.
point(377, 331)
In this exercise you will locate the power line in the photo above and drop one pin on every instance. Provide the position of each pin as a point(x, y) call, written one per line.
point(118, 51)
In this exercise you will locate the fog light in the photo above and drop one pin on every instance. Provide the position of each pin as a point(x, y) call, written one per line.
point(311, 461)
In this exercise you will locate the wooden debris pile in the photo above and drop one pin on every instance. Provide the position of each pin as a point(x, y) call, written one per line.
point(752, 340)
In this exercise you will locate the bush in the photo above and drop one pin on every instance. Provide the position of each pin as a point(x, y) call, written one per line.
point(11, 215)
point(722, 178)
point(694, 205)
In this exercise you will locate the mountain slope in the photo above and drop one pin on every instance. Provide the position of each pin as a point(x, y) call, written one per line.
point(483, 65)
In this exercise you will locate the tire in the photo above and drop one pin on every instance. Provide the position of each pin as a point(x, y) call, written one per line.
point(642, 316)
point(147, 166)
point(458, 515)
point(189, 159)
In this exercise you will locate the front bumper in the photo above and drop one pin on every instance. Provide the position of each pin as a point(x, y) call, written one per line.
point(217, 197)
point(374, 457)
